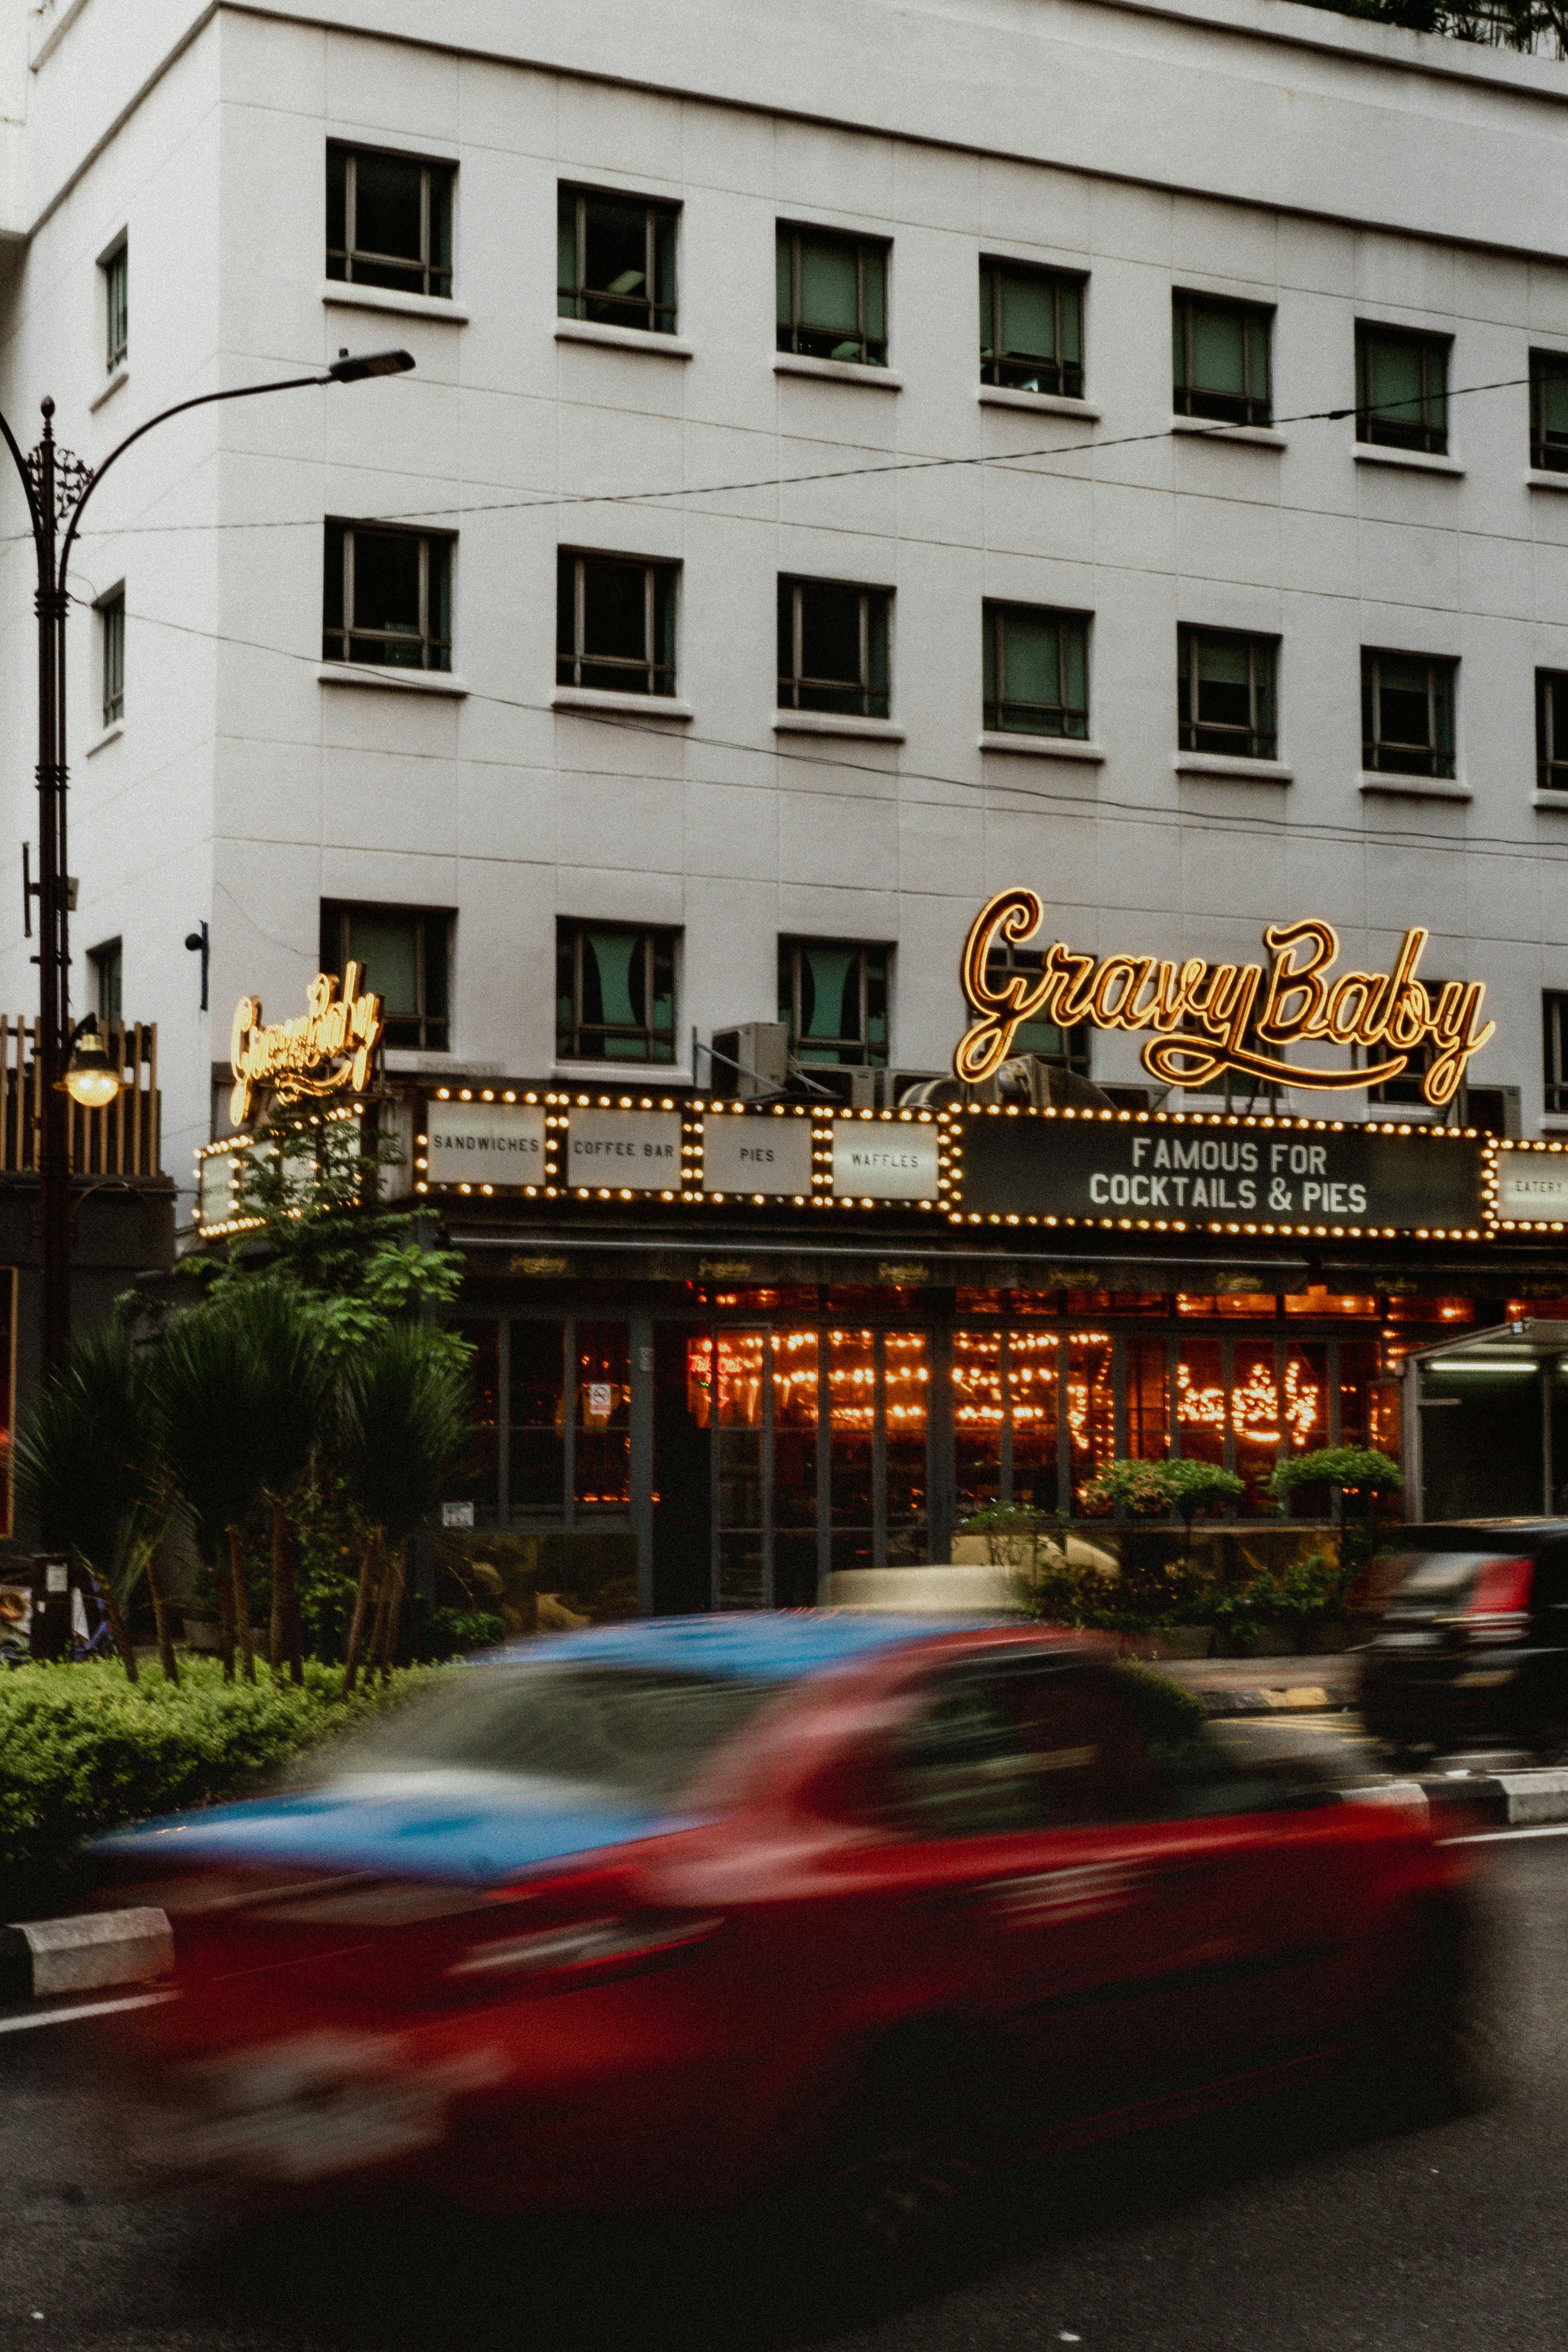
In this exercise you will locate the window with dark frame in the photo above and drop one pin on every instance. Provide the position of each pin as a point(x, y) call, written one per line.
point(1031, 328)
point(112, 655)
point(614, 622)
point(387, 596)
point(404, 956)
point(1066, 1049)
point(1549, 412)
point(1554, 1018)
point(1226, 692)
point(832, 295)
point(1406, 713)
point(833, 995)
point(1220, 358)
point(117, 306)
point(389, 220)
point(1036, 671)
point(1402, 389)
point(616, 259)
point(614, 993)
point(833, 647)
point(1551, 730)
point(1404, 1092)
point(107, 964)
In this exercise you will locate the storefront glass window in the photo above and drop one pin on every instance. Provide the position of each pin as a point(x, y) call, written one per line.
point(1033, 1358)
point(1327, 1303)
point(603, 1474)
point(1091, 1411)
point(1200, 1401)
point(1147, 1402)
point(979, 1416)
point(1369, 1412)
point(1445, 1312)
point(795, 1468)
point(536, 1446)
point(475, 1481)
point(739, 1361)
point(906, 1377)
point(852, 1388)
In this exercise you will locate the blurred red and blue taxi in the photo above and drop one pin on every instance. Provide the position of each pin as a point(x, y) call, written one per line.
point(659, 1914)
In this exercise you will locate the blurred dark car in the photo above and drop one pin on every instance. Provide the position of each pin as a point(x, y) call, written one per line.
point(1472, 1647)
point(680, 1913)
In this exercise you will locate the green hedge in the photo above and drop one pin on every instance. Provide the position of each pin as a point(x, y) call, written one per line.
point(82, 1750)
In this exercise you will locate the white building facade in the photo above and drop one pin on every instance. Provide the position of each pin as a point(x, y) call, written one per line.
point(857, 459)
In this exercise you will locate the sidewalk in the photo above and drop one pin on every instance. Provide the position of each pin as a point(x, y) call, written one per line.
point(1230, 1686)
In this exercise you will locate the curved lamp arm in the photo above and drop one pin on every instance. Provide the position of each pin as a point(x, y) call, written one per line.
point(34, 516)
point(345, 369)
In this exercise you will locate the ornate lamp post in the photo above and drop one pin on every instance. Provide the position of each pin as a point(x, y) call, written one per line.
point(57, 486)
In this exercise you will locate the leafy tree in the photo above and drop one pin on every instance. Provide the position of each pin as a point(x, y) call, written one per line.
point(1132, 1485)
point(311, 1182)
point(211, 1390)
point(288, 1381)
point(88, 1465)
point(404, 1420)
point(1195, 1486)
point(1358, 1472)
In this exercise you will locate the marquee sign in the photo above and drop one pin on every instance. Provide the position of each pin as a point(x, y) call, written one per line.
point(330, 1051)
point(1144, 1172)
point(1207, 1018)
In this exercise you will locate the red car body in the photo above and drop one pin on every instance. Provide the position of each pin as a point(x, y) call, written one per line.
point(1058, 1941)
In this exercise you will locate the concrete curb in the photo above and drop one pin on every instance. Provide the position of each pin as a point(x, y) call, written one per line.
point(1298, 1698)
point(1497, 1800)
point(48, 1957)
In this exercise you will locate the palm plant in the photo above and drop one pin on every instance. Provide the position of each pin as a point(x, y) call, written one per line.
point(87, 1464)
point(287, 1381)
point(211, 1388)
point(403, 1421)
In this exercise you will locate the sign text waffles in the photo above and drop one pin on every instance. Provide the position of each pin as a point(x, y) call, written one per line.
point(1207, 1018)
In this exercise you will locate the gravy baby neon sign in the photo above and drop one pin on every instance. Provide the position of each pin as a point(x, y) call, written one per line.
point(1206, 1018)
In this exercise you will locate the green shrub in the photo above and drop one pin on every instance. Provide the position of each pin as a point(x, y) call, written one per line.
point(82, 1750)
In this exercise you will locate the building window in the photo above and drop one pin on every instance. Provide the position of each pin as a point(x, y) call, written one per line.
point(111, 655)
point(387, 597)
point(116, 271)
point(107, 965)
point(1037, 671)
point(1554, 1009)
point(614, 622)
point(1225, 692)
point(1220, 359)
point(833, 995)
point(615, 993)
point(389, 221)
point(1406, 713)
point(1551, 730)
point(403, 954)
point(1031, 329)
point(1067, 1049)
point(833, 647)
point(616, 259)
point(832, 294)
point(1549, 411)
point(1402, 389)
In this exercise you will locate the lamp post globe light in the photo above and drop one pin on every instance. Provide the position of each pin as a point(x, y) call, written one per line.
point(74, 1063)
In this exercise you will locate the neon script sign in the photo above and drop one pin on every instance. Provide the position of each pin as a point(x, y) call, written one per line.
point(1207, 1018)
point(329, 1050)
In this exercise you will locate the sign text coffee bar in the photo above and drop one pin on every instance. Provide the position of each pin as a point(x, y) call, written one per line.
point(1175, 1175)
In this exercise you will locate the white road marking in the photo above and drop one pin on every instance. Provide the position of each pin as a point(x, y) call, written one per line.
point(85, 2009)
point(1490, 1837)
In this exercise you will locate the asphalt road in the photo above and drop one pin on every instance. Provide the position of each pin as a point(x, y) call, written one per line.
point(1271, 2230)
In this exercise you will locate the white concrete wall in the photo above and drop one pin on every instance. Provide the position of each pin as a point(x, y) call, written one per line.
point(244, 789)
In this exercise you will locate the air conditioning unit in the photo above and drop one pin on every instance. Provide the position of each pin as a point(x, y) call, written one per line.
point(751, 1058)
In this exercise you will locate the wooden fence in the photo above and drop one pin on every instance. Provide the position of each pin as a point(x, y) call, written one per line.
point(122, 1140)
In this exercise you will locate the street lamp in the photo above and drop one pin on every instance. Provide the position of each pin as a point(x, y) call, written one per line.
point(91, 1078)
point(56, 487)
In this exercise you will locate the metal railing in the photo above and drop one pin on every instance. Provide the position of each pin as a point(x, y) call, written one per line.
point(123, 1140)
